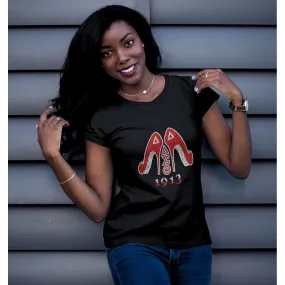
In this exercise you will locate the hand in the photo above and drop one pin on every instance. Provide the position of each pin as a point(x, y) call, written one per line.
point(49, 133)
point(216, 78)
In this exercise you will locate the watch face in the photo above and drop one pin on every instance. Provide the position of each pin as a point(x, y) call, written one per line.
point(246, 105)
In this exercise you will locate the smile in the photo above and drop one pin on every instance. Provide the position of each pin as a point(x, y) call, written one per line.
point(128, 71)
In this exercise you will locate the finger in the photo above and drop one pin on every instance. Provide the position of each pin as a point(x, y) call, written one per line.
point(50, 120)
point(200, 82)
point(44, 114)
point(207, 84)
point(62, 123)
point(58, 120)
point(213, 77)
point(208, 76)
point(202, 73)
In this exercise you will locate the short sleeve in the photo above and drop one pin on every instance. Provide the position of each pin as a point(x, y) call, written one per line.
point(96, 130)
point(205, 100)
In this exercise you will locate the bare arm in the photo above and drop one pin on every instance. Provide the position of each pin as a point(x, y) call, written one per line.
point(232, 147)
point(93, 197)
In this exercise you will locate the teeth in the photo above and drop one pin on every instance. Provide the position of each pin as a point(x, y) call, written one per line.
point(128, 70)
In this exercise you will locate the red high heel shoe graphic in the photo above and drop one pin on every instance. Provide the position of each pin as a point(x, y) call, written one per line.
point(153, 148)
point(174, 141)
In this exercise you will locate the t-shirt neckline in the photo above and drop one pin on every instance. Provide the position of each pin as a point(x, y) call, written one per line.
point(156, 99)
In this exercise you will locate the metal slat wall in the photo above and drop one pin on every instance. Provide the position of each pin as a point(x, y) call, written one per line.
point(37, 88)
point(264, 143)
point(73, 268)
point(67, 228)
point(181, 47)
point(218, 185)
point(53, 242)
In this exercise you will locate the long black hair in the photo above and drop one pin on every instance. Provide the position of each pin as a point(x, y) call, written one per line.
point(84, 85)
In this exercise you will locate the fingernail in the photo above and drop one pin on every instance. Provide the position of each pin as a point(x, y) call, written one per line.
point(193, 77)
point(196, 89)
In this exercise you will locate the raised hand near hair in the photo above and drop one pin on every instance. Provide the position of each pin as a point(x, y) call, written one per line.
point(49, 133)
point(216, 78)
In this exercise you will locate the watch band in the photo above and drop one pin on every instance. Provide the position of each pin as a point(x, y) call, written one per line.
point(241, 108)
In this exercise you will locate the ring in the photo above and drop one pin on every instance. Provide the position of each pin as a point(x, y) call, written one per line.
point(57, 118)
point(206, 74)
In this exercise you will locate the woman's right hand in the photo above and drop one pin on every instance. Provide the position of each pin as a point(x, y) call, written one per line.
point(49, 133)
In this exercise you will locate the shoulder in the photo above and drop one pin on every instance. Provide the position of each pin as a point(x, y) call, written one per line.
point(105, 117)
point(98, 115)
point(105, 111)
point(182, 86)
point(182, 80)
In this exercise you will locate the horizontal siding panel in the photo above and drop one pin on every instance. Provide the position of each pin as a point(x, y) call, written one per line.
point(37, 184)
point(63, 12)
point(89, 268)
point(29, 93)
point(182, 47)
point(70, 12)
point(263, 133)
point(219, 187)
point(58, 268)
point(217, 47)
point(23, 145)
point(218, 12)
point(41, 49)
point(67, 228)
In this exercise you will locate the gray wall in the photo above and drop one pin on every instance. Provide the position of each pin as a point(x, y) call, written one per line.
point(53, 242)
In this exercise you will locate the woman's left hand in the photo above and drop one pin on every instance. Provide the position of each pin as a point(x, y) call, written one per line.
point(216, 78)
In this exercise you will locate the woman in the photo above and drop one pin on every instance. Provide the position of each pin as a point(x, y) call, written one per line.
point(145, 128)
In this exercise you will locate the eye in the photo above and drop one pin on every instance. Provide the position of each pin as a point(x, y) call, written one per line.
point(129, 43)
point(106, 54)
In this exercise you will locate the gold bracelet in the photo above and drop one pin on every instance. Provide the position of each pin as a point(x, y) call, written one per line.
point(68, 178)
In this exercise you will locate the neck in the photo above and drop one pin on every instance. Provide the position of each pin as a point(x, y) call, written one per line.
point(140, 85)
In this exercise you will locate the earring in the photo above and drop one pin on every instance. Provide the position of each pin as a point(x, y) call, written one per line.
point(143, 45)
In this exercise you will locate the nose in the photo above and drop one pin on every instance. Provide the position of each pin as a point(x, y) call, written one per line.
point(122, 56)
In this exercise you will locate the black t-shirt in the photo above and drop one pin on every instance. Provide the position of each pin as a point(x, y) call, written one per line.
point(156, 151)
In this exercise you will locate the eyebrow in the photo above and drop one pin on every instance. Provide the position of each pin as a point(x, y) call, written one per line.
point(119, 41)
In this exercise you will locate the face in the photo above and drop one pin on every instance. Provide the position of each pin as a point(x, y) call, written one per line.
point(122, 53)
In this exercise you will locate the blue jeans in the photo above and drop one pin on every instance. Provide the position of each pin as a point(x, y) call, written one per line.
point(141, 264)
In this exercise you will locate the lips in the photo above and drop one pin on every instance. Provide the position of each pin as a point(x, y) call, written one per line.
point(128, 70)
